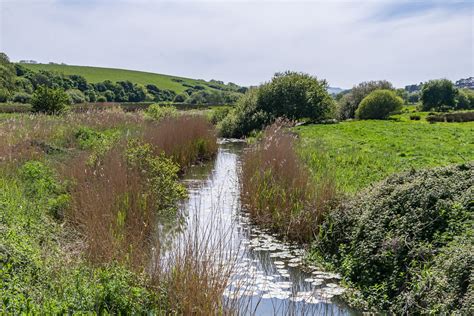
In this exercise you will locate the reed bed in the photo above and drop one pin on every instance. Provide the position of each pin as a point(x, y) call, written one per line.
point(278, 190)
point(187, 139)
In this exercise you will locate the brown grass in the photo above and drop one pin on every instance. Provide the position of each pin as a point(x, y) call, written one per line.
point(186, 138)
point(110, 209)
point(277, 188)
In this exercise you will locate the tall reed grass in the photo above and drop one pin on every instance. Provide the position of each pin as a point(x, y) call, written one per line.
point(187, 139)
point(278, 190)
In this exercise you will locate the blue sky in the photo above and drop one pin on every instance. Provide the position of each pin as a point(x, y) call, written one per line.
point(345, 42)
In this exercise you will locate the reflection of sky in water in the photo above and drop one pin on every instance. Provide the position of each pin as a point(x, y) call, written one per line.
point(269, 276)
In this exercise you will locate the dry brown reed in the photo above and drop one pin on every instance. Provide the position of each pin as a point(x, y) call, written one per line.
point(187, 139)
point(278, 190)
point(110, 209)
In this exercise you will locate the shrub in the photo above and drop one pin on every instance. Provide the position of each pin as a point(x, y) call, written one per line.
point(76, 96)
point(451, 117)
point(384, 240)
point(101, 98)
point(180, 98)
point(49, 101)
point(219, 114)
point(378, 105)
point(291, 95)
point(348, 104)
point(465, 99)
point(4, 95)
point(21, 97)
point(277, 189)
point(438, 95)
point(160, 112)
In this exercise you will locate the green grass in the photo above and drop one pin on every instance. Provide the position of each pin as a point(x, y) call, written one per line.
point(362, 152)
point(99, 74)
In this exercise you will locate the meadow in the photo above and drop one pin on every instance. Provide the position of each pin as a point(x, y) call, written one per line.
point(359, 153)
point(100, 74)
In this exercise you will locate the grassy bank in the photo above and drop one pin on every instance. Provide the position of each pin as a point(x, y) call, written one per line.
point(377, 207)
point(362, 152)
point(85, 202)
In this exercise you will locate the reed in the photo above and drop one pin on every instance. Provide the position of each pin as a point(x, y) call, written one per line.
point(278, 190)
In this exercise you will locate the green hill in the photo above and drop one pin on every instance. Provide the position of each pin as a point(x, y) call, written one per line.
point(99, 74)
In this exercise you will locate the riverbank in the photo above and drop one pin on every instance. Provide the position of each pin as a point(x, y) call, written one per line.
point(390, 239)
point(85, 205)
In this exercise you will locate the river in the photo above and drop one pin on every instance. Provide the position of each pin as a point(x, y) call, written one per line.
point(269, 276)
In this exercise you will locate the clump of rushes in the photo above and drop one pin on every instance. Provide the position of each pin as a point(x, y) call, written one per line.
point(132, 188)
point(277, 188)
point(187, 139)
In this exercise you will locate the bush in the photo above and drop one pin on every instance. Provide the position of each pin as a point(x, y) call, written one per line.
point(415, 117)
point(160, 112)
point(219, 114)
point(291, 95)
point(384, 240)
point(101, 98)
point(49, 101)
point(438, 95)
point(76, 96)
point(4, 95)
point(21, 97)
point(180, 98)
point(451, 117)
point(465, 99)
point(349, 102)
point(378, 105)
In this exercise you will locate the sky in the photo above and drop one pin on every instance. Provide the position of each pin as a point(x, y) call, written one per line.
point(246, 42)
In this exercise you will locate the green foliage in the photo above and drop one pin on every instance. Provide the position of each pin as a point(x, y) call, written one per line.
point(4, 95)
point(49, 101)
point(291, 95)
point(97, 141)
point(438, 95)
point(362, 152)
point(42, 185)
point(162, 175)
point(160, 112)
point(245, 117)
point(378, 105)
point(465, 99)
point(168, 85)
point(219, 114)
point(76, 96)
point(349, 102)
point(7, 73)
point(21, 97)
point(385, 239)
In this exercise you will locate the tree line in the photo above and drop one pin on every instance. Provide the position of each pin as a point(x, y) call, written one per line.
point(18, 83)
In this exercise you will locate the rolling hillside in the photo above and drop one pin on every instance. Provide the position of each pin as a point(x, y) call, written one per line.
point(99, 74)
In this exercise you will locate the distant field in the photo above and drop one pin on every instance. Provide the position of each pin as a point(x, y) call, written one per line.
point(98, 74)
point(362, 152)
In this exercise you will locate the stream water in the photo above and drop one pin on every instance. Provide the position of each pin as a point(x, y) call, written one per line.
point(269, 275)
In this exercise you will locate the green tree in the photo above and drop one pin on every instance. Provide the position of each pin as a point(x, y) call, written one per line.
point(438, 95)
point(7, 75)
point(291, 95)
point(349, 103)
point(378, 105)
point(49, 100)
point(465, 99)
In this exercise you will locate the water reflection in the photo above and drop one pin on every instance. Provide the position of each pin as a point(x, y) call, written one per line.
point(269, 276)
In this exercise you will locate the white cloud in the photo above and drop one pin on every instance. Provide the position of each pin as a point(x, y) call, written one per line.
point(243, 41)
